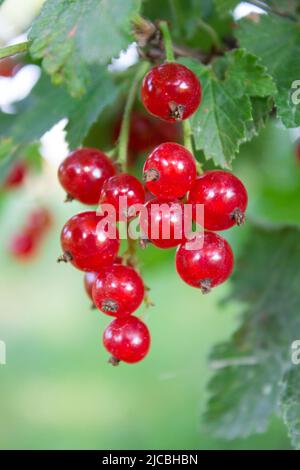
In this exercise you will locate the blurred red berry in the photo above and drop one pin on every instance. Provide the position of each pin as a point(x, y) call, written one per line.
point(16, 175)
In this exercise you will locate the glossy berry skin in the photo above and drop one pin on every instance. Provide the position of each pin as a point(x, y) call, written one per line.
point(127, 339)
point(171, 92)
point(22, 246)
point(123, 185)
point(164, 223)
point(86, 246)
point(224, 197)
point(169, 171)
point(16, 175)
point(207, 266)
point(83, 173)
point(118, 290)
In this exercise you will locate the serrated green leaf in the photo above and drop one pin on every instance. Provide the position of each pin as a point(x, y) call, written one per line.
point(261, 108)
point(246, 389)
point(69, 35)
point(218, 125)
point(290, 404)
point(224, 119)
point(276, 41)
point(248, 76)
point(48, 104)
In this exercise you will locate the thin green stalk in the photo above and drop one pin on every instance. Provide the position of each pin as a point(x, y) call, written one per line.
point(124, 132)
point(13, 49)
point(167, 41)
point(187, 141)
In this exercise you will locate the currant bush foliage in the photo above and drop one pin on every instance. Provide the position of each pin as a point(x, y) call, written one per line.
point(255, 377)
point(69, 34)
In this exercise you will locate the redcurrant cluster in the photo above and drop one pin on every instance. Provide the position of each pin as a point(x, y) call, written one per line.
point(26, 242)
point(172, 93)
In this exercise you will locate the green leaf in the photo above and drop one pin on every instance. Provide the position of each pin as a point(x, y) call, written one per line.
point(48, 104)
point(223, 7)
point(247, 385)
point(248, 76)
point(222, 121)
point(290, 404)
point(68, 35)
point(261, 108)
point(280, 56)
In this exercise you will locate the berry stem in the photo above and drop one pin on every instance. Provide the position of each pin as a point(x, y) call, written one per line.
point(124, 132)
point(167, 41)
point(13, 49)
point(187, 140)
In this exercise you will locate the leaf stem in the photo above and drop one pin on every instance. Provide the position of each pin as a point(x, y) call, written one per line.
point(188, 143)
point(13, 49)
point(167, 41)
point(124, 132)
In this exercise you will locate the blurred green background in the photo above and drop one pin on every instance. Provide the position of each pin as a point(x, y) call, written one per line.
point(57, 389)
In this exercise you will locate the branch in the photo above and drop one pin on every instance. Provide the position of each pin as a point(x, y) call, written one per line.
point(14, 49)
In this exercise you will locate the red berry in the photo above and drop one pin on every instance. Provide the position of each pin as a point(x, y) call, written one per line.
point(207, 266)
point(164, 222)
point(83, 173)
point(39, 220)
point(87, 245)
point(171, 92)
point(89, 279)
point(9, 67)
point(118, 290)
point(224, 197)
point(298, 151)
point(169, 171)
point(126, 186)
point(127, 339)
point(147, 132)
point(16, 175)
point(22, 245)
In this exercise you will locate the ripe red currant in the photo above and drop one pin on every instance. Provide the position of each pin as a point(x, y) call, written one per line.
point(171, 92)
point(147, 132)
point(9, 67)
point(298, 151)
point(127, 339)
point(16, 175)
point(224, 197)
point(118, 290)
point(22, 245)
point(164, 222)
point(39, 220)
point(207, 266)
point(88, 244)
point(83, 173)
point(169, 171)
point(123, 185)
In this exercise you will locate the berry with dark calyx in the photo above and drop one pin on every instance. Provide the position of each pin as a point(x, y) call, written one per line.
point(204, 261)
point(169, 171)
point(16, 175)
point(22, 246)
point(127, 339)
point(171, 92)
point(164, 222)
point(118, 290)
point(123, 185)
point(83, 173)
point(88, 243)
point(224, 197)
